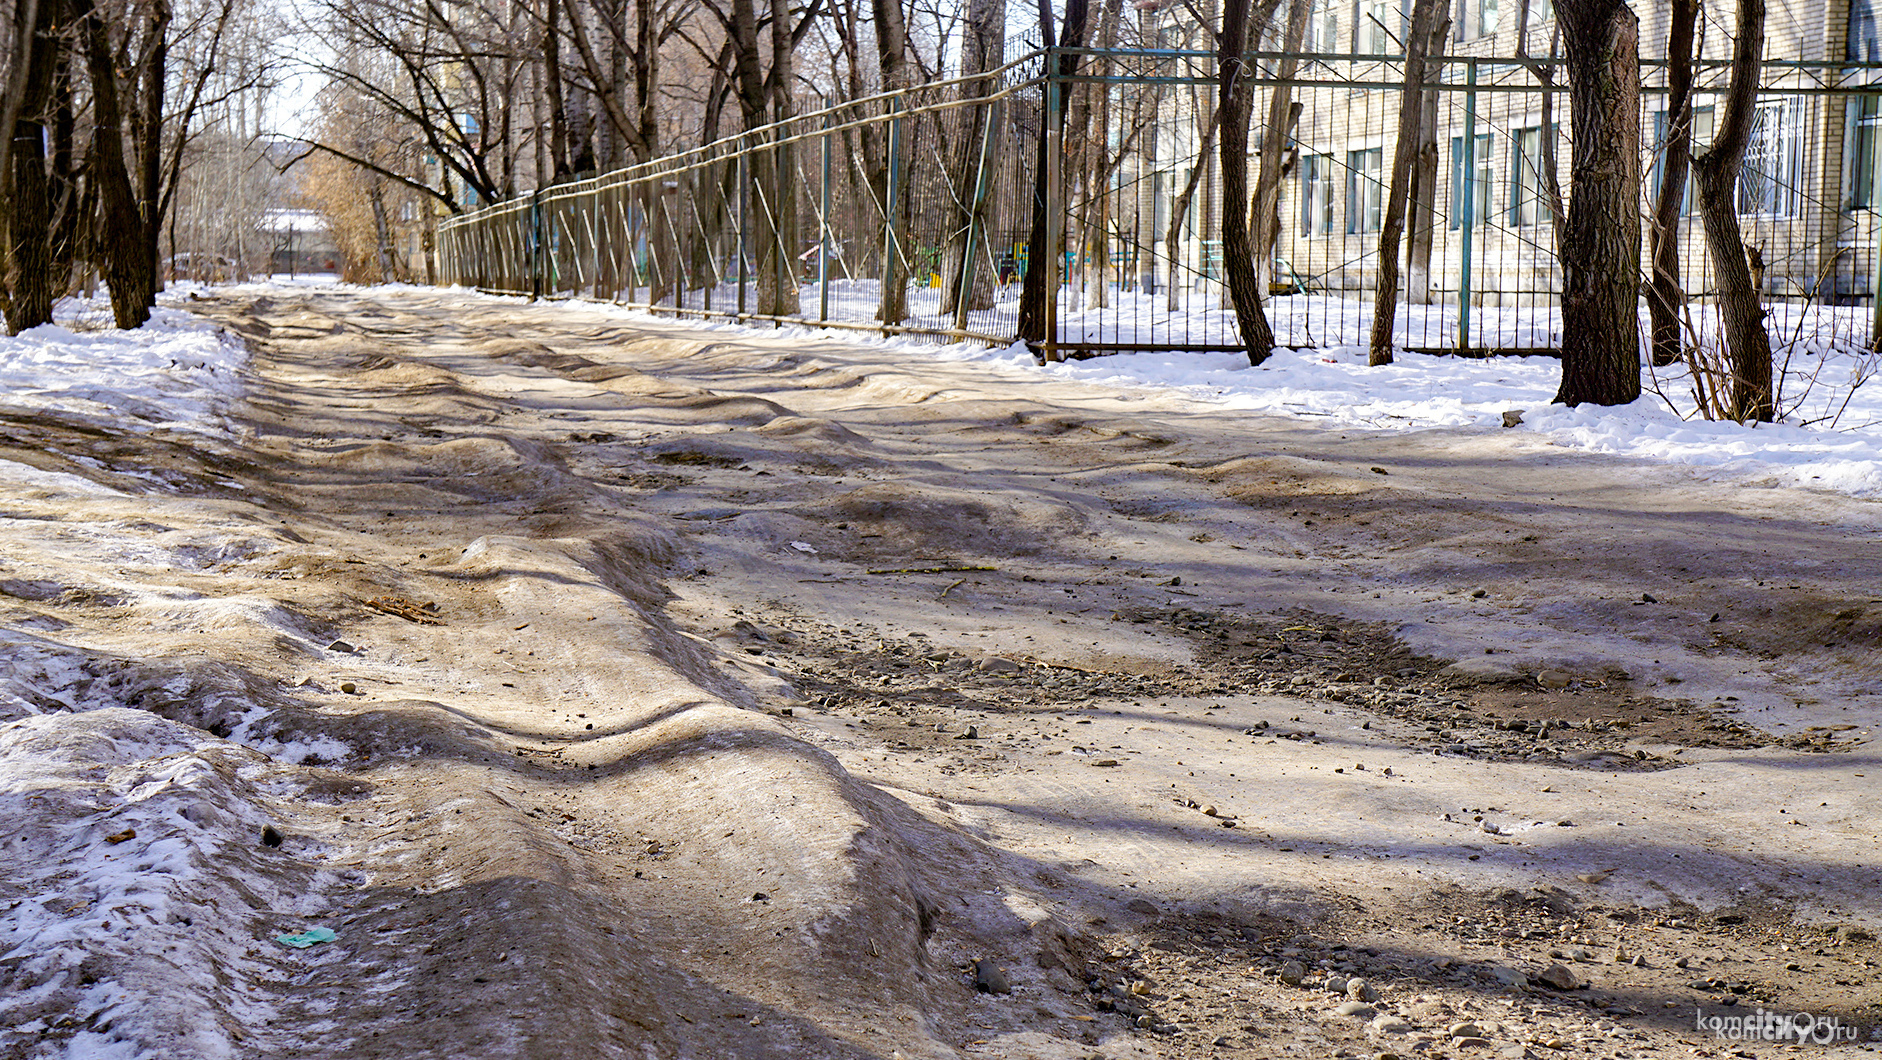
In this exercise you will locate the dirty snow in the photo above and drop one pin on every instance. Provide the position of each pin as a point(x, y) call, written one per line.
point(1828, 392)
point(140, 909)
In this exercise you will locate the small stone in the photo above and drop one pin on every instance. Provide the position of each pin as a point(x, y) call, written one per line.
point(1558, 977)
point(1141, 906)
point(121, 837)
point(972, 733)
point(760, 896)
point(1360, 990)
point(271, 836)
point(1509, 977)
point(989, 979)
point(1471, 1042)
point(1292, 973)
point(348, 687)
point(1512, 417)
point(1479, 593)
point(999, 665)
point(1336, 984)
point(1682, 962)
point(1464, 1030)
point(1388, 1024)
point(1852, 933)
point(1553, 679)
point(342, 646)
point(1649, 598)
point(1356, 1008)
point(1105, 763)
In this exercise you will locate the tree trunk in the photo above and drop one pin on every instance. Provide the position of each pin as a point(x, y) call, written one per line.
point(1665, 297)
point(1601, 254)
point(1235, 94)
point(29, 265)
point(559, 170)
point(1033, 293)
point(892, 61)
point(1283, 112)
point(1179, 211)
point(382, 234)
point(1411, 112)
point(983, 49)
point(1424, 185)
point(777, 262)
point(128, 263)
point(1716, 174)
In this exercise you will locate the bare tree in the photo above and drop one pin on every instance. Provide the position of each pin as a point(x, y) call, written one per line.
point(1277, 151)
point(38, 53)
point(1033, 294)
point(1601, 249)
point(1665, 297)
point(453, 79)
point(1235, 90)
point(1716, 174)
point(1423, 192)
point(975, 155)
point(1411, 112)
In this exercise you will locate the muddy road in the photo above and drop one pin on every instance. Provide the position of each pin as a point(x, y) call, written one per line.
point(614, 688)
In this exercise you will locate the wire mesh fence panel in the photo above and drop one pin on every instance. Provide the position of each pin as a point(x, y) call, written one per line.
point(914, 213)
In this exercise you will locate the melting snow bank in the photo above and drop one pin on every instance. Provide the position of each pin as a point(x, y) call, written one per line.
point(1421, 391)
point(178, 371)
point(137, 887)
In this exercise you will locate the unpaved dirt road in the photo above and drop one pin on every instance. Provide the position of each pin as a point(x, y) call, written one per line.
point(677, 693)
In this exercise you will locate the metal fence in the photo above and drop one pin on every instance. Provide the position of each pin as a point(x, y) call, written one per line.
point(911, 213)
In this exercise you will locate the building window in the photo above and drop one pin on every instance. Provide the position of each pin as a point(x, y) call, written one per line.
point(1316, 195)
point(1531, 203)
point(1364, 193)
point(1374, 24)
point(1471, 178)
point(1773, 161)
point(1864, 42)
point(1540, 11)
point(1486, 17)
point(1862, 160)
point(1323, 29)
point(1702, 118)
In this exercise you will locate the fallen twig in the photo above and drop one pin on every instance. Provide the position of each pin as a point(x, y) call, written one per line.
point(951, 568)
point(424, 614)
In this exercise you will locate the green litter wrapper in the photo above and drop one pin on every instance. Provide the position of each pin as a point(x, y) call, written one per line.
point(310, 937)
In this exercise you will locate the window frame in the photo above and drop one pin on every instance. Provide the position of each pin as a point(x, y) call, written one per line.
point(1365, 191)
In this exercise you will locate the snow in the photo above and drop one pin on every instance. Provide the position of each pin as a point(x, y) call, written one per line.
point(1829, 434)
point(186, 900)
point(177, 372)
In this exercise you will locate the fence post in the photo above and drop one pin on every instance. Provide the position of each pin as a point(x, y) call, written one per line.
point(823, 224)
point(744, 207)
point(533, 262)
point(964, 290)
point(1055, 224)
point(1875, 263)
point(892, 204)
point(1469, 186)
